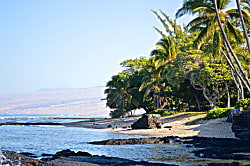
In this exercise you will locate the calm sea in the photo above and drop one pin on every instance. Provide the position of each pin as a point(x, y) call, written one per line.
point(50, 139)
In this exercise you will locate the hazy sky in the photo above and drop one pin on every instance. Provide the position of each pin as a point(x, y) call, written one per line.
point(73, 43)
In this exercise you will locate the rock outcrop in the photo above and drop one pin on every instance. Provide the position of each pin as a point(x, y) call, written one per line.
point(232, 112)
point(241, 124)
point(147, 121)
point(131, 141)
point(216, 148)
point(70, 158)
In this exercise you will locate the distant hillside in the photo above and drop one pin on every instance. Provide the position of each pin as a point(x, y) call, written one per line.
point(56, 101)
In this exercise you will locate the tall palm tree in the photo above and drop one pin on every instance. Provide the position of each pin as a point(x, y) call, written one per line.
point(211, 19)
point(206, 23)
point(152, 81)
point(243, 22)
point(247, 83)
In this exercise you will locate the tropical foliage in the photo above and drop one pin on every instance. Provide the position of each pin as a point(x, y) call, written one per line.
point(244, 103)
point(218, 113)
point(205, 62)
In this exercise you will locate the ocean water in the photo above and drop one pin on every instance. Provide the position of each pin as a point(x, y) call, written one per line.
point(44, 118)
point(51, 139)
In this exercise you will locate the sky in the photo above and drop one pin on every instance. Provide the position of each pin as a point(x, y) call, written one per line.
point(74, 43)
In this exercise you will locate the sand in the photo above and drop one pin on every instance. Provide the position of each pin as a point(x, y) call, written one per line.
point(217, 128)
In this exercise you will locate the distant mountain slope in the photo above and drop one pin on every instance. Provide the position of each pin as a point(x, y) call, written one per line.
point(56, 101)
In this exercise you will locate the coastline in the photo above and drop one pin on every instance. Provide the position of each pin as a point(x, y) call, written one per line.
point(182, 127)
point(171, 126)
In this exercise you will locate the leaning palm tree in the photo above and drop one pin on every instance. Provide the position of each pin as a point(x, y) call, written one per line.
point(211, 19)
point(247, 83)
point(242, 20)
point(206, 23)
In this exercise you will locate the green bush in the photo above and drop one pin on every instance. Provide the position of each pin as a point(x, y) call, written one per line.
point(218, 113)
point(116, 113)
point(244, 103)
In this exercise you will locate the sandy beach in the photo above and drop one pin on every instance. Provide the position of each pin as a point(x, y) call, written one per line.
point(177, 125)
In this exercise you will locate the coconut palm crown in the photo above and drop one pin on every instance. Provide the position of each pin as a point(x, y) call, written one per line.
point(206, 22)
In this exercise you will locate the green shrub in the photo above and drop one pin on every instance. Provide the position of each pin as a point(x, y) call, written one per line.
point(218, 113)
point(244, 103)
point(116, 113)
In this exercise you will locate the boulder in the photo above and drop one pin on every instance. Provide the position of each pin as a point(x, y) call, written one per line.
point(68, 152)
point(148, 121)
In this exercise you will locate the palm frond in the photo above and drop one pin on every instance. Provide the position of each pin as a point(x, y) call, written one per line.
point(162, 21)
point(189, 5)
point(237, 35)
point(158, 30)
point(201, 37)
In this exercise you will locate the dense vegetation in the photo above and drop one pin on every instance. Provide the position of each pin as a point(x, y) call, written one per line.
point(217, 113)
point(206, 62)
point(244, 103)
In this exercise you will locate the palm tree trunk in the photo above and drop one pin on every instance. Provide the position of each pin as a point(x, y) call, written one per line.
point(228, 96)
point(237, 85)
point(229, 46)
point(232, 66)
point(243, 25)
point(235, 70)
point(241, 89)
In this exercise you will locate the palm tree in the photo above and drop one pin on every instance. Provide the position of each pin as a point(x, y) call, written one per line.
point(211, 20)
point(243, 22)
point(152, 81)
point(207, 24)
point(165, 50)
point(119, 94)
point(227, 44)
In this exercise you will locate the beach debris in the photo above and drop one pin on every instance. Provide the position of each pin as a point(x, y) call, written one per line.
point(148, 121)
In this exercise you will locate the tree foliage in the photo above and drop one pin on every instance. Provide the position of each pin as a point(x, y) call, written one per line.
point(189, 65)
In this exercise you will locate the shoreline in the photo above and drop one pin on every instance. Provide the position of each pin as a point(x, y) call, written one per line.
point(71, 158)
point(209, 149)
point(177, 125)
point(180, 125)
point(180, 129)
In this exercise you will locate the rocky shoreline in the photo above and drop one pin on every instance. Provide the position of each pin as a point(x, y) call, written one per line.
point(215, 148)
point(211, 139)
point(68, 157)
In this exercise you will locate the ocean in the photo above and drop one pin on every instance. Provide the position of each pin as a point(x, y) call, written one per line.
point(51, 139)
